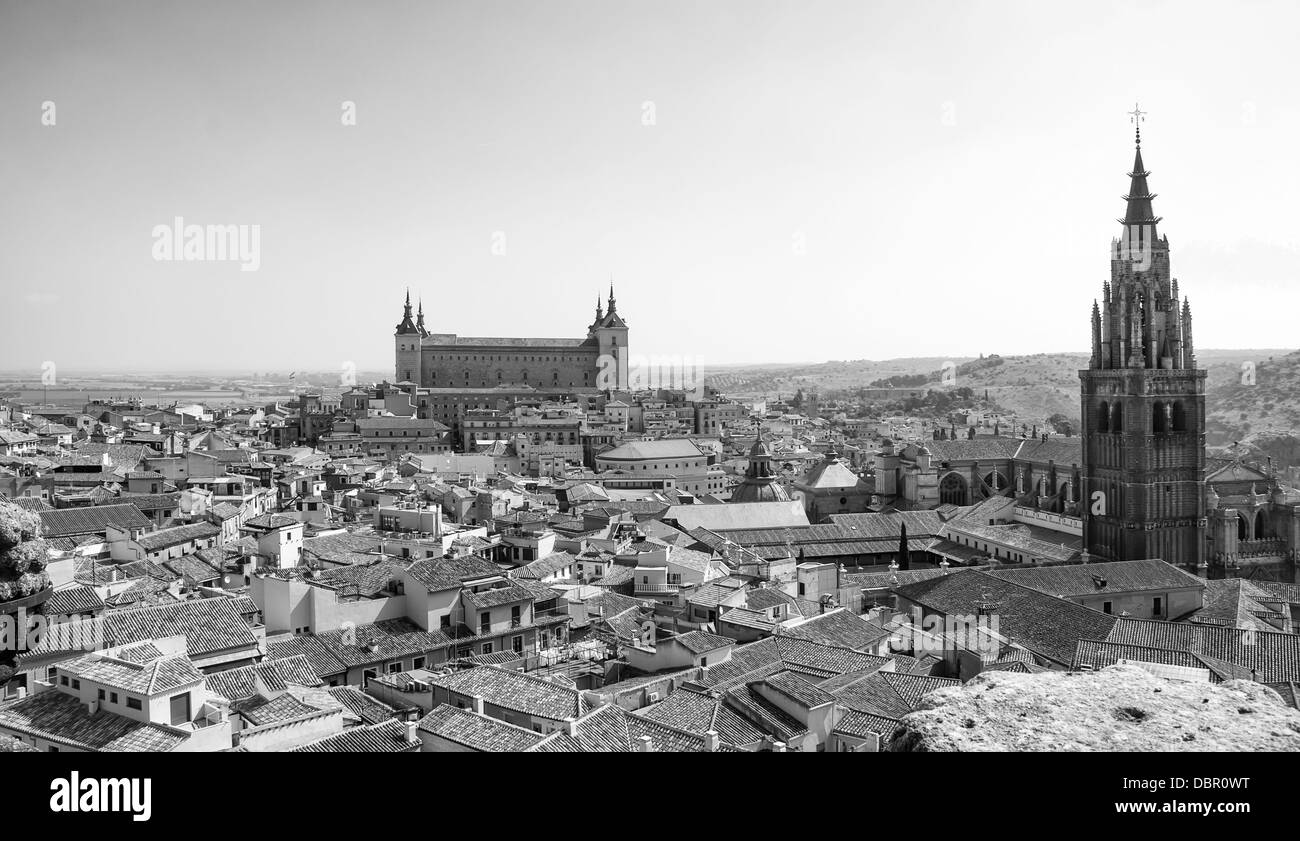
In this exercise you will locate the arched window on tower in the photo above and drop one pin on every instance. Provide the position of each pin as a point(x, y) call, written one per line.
point(1103, 417)
point(1180, 416)
point(1158, 417)
point(1117, 422)
point(1261, 525)
point(1243, 528)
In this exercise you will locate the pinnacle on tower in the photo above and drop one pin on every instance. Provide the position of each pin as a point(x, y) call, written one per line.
point(611, 297)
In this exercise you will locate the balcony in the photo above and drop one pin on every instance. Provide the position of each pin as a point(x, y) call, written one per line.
point(652, 588)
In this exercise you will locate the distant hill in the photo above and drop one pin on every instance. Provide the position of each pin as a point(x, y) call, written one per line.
point(1265, 412)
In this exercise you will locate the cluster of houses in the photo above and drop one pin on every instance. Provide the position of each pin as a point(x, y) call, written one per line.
point(215, 590)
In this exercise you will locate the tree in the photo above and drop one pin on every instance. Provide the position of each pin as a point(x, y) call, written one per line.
point(904, 556)
point(23, 553)
point(1061, 424)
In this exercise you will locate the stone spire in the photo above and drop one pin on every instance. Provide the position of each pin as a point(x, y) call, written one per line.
point(612, 308)
point(419, 320)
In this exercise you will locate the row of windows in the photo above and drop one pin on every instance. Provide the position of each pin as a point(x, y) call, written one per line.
point(132, 702)
point(511, 358)
point(1165, 417)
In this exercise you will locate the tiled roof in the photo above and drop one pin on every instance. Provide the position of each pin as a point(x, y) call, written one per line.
point(612, 729)
point(515, 691)
point(506, 593)
point(771, 718)
point(368, 709)
point(1111, 577)
point(241, 683)
point(210, 626)
point(151, 677)
point(313, 649)
point(61, 718)
point(271, 522)
point(863, 725)
point(177, 535)
point(797, 689)
point(1237, 603)
point(661, 449)
point(699, 712)
point(382, 640)
point(477, 732)
point(773, 654)
point(839, 627)
point(544, 567)
point(77, 599)
point(449, 573)
point(888, 694)
point(73, 522)
point(1272, 656)
point(716, 591)
point(746, 618)
point(699, 642)
point(1046, 625)
point(388, 737)
point(153, 502)
point(259, 711)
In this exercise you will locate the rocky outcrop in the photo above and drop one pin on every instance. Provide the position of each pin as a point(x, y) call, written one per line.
point(1120, 708)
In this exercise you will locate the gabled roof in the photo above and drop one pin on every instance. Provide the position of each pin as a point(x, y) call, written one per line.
point(311, 648)
point(699, 712)
point(275, 675)
point(611, 729)
point(73, 600)
point(388, 737)
point(1110, 577)
point(514, 691)
point(888, 694)
point(1272, 656)
point(839, 627)
point(75, 522)
point(450, 573)
point(210, 626)
point(700, 642)
point(477, 732)
point(177, 536)
point(58, 717)
point(1046, 625)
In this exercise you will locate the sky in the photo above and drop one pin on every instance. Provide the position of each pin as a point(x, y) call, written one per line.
point(763, 181)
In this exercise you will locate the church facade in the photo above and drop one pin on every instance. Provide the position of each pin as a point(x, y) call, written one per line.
point(445, 360)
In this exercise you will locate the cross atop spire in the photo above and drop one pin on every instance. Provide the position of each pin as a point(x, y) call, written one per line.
point(1136, 116)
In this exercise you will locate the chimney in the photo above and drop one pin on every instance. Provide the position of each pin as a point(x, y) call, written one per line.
point(571, 726)
point(477, 703)
point(411, 727)
point(711, 741)
point(92, 707)
point(647, 745)
point(778, 747)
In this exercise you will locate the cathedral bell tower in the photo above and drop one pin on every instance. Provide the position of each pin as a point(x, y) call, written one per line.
point(1143, 403)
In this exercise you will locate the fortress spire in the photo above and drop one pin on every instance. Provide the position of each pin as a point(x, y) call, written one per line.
point(407, 324)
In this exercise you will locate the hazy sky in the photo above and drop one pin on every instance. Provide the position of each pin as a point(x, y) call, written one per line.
point(819, 180)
